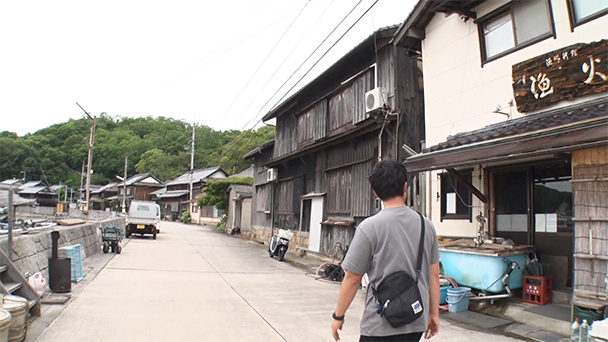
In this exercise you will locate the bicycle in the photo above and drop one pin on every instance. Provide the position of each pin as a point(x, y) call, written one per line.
point(330, 271)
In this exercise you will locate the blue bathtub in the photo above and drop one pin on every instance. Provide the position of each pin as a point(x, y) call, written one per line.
point(481, 269)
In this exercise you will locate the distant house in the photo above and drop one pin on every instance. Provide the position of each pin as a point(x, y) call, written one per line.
point(106, 192)
point(182, 192)
point(11, 184)
point(44, 195)
point(137, 187)
point(239, 205)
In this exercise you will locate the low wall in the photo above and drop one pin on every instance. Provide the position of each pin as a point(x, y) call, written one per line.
point(262, 235)
point(32, 251)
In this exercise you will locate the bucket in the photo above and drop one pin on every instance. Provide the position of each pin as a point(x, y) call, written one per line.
point(458, 299)
point(5, 323)
point(17, 306)
point(443, 294)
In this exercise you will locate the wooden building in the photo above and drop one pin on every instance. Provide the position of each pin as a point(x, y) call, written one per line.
point(183, 191)
point(313, 178)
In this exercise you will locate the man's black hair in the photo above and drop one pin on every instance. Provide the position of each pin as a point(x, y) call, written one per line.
point(387, 179)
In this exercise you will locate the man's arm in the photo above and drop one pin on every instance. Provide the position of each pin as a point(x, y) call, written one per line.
point(348, 290)
point(433, 326)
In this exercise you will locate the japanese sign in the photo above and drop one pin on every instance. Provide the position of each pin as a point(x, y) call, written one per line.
point(573, 71)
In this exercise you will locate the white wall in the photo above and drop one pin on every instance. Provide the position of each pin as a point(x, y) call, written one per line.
point(460, 94)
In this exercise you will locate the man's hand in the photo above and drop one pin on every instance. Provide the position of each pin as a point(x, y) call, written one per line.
point(335, 326)
point(433, 327)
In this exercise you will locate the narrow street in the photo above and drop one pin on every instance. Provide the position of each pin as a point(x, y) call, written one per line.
point(194, 284)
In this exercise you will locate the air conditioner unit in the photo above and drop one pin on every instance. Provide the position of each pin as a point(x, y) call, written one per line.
point(374, 100)
point(272, 175)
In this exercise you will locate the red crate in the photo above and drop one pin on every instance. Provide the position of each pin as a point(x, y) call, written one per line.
point(537, 294)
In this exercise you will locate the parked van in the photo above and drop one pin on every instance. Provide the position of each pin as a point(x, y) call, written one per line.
point(143, 218)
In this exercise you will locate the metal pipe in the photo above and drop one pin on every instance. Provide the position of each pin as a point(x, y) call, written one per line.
point(11, 222)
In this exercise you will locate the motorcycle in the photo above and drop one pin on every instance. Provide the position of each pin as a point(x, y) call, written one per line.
point(279, 244)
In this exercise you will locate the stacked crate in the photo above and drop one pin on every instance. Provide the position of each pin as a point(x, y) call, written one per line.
point(537, 290)
point(73, 252)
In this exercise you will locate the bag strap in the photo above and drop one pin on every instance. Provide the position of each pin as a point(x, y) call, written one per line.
point(420, 248)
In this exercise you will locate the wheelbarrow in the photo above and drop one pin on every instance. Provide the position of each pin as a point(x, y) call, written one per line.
point(110, 238)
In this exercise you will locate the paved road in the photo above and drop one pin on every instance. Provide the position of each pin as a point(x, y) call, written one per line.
point(194, 284)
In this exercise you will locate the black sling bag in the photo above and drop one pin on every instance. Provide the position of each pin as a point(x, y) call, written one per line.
point(398, 296)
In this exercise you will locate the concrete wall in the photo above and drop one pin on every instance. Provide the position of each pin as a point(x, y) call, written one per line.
point(31, 251)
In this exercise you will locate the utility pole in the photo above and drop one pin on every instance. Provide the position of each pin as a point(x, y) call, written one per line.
point(124, 188)
point(89, 160)
point(192, 163)
point(11, 223)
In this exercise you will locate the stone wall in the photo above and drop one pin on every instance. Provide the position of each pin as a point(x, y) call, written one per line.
point(32, 251)
point(262, 235)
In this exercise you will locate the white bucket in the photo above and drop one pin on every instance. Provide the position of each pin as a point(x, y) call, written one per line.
point(18, 307)
point(5, 323)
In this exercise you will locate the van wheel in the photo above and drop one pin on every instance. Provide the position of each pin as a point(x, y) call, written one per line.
point(154, 236)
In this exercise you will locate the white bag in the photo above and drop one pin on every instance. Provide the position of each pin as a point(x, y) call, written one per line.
point(38, 283)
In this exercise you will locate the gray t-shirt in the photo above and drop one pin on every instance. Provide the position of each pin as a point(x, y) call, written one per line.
point(385, 243)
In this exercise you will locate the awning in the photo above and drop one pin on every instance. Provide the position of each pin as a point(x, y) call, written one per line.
point(174, 194)
point(562, 130)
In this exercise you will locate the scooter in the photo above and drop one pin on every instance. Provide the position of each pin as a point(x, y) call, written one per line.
point(279, 244)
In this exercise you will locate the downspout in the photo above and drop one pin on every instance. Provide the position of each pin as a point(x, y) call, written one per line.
point(271, 209)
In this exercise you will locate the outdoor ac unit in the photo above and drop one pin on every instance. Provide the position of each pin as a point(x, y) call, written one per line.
point(374, 100)
point(272, 175)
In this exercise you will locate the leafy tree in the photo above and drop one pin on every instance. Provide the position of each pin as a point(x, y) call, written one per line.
point(215, 192)
point(161, 145)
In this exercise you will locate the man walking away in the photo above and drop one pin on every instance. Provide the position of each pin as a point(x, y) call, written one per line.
point(386, 243)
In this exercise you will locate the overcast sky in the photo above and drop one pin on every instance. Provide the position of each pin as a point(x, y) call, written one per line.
point(214, 62)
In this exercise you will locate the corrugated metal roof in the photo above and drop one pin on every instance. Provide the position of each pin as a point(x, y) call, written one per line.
point(174, 194)
point(195, 176)
point(245, 173)
point(259, 149)
point(32, 190)
point(17, 200)
point(30, 184)
point(241, 189)
point(12, 181)
point(106, 187)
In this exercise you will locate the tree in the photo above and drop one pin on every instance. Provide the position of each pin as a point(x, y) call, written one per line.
point(215, 192)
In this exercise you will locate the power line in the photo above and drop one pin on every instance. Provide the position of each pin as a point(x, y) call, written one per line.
point(210, 57)
point(263, 62)
point(276, 70)
point(317, 62)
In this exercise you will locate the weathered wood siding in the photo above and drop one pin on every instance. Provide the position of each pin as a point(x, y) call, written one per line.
point(590, 193)
point(261, 201)
point(348, 106)
point(285, 135)
point(330, 235)
point(343, 171)
point(312, 125)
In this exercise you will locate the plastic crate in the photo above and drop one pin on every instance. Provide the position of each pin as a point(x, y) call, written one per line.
point(540, 294)
point(73, 252)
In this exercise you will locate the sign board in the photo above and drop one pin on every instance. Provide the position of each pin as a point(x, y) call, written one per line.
point(570, 72)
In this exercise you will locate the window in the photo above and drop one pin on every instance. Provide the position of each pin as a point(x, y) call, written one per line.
point(456, 199)
point(582, 11)
point(513, 27)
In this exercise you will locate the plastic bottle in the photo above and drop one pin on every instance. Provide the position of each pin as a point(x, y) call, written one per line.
point(574, 330)
point(584, 332)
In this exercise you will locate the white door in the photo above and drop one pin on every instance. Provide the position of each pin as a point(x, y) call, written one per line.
point(316, 216)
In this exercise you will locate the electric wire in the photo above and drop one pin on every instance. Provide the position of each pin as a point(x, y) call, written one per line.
point(262, 64)
point(210, 57)
point(279, 67)
point(279, 101)
point(301, 65)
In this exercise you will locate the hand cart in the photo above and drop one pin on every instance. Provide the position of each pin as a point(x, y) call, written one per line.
point(111, 237)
